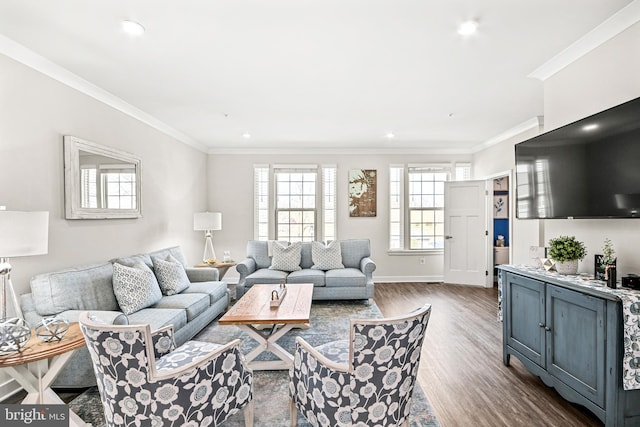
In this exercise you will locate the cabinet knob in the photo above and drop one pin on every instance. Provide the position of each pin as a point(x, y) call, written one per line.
point(546, 328)
point(541, 324)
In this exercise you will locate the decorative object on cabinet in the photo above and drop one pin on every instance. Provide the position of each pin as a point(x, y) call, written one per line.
point(566, 251)
point(208, 222)
point(21, 234)
point(100, 182)
point(609, 263)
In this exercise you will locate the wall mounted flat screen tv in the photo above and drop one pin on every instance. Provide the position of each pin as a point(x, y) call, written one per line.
point(586, 169)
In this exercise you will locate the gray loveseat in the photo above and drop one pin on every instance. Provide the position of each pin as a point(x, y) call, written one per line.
point(354, 281)
point(69, 292)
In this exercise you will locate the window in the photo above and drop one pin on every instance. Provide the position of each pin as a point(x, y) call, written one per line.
point(300, 205)
point(108, 186)
point(416, 205)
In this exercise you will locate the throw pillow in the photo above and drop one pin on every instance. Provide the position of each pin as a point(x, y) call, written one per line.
point(135, 287)
point(171, 275)
point(286, 258)
point(326, 257)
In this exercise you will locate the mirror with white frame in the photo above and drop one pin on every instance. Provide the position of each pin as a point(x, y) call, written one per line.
point(100, 182)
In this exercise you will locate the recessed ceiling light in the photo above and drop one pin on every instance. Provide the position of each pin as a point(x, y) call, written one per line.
point(390, 135)
point(468, 28)
point(246, 135)
point(132, 28)
point(590, 127)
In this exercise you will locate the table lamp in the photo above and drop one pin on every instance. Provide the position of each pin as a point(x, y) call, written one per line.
point(21, 234)
point(207, 222)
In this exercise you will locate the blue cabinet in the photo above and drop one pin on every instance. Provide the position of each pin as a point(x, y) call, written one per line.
point(572, 339)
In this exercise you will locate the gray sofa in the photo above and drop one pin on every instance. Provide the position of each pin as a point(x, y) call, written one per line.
point(69, 292)
point(355, 281)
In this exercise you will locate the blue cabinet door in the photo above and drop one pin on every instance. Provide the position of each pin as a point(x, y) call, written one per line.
point(576, 341)
point(525, 317)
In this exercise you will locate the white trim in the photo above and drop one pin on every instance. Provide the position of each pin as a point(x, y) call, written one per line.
point(39, 63)
point(251, 151)
point(535, 122)
point(404, 279)
point(415, 252)
point(614, 25)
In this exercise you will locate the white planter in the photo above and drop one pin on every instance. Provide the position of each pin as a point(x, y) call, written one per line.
point(567, 267)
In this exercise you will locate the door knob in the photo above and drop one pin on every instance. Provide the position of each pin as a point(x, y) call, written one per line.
point(448, 237)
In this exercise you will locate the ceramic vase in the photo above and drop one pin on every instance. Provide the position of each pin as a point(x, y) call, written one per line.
point(567, 267)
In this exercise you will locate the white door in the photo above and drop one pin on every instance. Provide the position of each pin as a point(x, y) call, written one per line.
point(465, 228)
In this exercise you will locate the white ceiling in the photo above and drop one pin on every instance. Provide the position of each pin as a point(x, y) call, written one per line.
point(336, 74)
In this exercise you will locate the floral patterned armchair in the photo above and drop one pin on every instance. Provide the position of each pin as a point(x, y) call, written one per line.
point(365, 381)
point(144, 380)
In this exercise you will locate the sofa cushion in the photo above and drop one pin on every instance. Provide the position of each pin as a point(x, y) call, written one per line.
point(306, 260)
point(135, 287)
point(132, 260)
point(194, 304)
point(346, 277)
point(82, 288)
point(307, 276)
point(170, 274)
point(327, 257)
point(160, 317)
point(353, 251)
point(215, 290)
point(174, 251)
point(266, 276)
point(286, 258)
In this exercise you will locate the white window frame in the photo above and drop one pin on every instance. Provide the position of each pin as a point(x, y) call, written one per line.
point(399, 203)
point(265, 193)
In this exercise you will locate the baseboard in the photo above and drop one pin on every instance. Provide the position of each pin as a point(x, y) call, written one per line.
point(396, 279)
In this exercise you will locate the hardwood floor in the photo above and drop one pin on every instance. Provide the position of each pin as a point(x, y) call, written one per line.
point(461, 370)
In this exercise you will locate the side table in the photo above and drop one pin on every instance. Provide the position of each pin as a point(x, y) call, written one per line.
point(222, 267)
point(38, 365)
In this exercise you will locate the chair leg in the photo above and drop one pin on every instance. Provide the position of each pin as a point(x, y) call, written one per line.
point(293, 413)
point(248, 414)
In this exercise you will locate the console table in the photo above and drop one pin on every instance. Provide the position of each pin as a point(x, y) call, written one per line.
point(39, 363)
point(572, 336)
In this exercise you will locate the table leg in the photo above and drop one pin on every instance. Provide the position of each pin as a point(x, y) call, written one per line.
point(38, 386)
point(268, 342)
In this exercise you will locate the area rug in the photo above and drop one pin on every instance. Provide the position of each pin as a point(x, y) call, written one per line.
point(329, 321)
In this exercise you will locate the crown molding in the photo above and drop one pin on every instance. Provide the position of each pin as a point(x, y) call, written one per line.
point(39, 63)
point(533, 123)
point(339, 151)
point(614, 25)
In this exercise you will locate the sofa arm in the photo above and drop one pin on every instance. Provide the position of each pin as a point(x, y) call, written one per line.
point(202, 274)
point(246, 267)
point(367, 266)
point(104, 316)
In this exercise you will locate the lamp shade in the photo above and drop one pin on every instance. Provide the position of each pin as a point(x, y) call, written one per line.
point(23, 233)
point(207, 221)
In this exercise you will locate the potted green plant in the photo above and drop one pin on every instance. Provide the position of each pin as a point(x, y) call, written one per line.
point(609, 263)
point(566, 251)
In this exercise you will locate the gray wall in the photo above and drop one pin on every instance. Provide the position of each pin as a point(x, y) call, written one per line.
point(231, 192)
point(604, 77)
point(36, 112)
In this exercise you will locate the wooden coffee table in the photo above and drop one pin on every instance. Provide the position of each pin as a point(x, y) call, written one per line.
point(254, 309)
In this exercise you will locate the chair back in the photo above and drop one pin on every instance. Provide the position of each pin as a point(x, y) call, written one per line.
point(385, 354)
